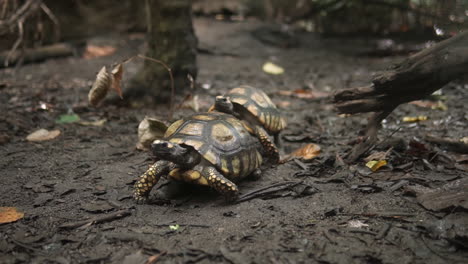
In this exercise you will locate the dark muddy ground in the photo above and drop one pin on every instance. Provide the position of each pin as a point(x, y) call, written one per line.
point(337, 214)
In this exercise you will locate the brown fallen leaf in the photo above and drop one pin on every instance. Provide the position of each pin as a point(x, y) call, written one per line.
point(93, 51)
point(100, 87)
point(306, 152)
point(117, 73)
point(43, 135)
point(9, 214)
point(381, 155)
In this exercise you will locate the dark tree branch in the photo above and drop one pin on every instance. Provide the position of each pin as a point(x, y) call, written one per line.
point(414, 78)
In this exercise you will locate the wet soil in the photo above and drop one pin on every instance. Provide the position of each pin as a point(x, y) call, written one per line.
point(335, 214)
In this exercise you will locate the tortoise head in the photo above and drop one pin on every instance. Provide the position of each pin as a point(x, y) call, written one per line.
point(178, 154)
point(224, 104)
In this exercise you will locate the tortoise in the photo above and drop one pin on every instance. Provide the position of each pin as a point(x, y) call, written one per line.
point(256, 108)
point(212, 149)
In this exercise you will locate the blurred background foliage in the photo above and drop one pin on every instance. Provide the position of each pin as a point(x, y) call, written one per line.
point(48, 21)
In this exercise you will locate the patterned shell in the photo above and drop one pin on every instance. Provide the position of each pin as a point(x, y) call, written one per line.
point(221, 139)
point(258, 103)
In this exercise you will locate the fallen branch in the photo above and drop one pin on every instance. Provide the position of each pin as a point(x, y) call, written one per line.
point(416, 77)
point(448, 144)
point(97, 220)
point(37, 54)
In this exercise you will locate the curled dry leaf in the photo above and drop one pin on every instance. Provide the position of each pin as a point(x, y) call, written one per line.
point(149, 129)
point(100, 87)
point(9, 214)
point(307, 152)
point(117, 74)
point(42, 135)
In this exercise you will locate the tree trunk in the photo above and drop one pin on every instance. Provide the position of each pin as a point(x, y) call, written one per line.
point(171, 39)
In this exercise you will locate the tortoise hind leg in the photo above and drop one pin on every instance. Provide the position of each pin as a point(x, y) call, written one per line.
point(268, 145)
point(222, 185)
point(149, 179)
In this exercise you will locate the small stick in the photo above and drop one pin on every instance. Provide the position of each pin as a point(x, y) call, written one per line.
point(263, 191)
point(98, 219)
point(171, 103)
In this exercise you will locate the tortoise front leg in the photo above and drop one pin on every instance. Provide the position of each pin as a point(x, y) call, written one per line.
point(268, 145)
point(149, 179)
point(222, 185)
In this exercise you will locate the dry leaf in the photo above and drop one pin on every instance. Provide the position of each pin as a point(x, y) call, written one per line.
point(117, 73)
point(100, 87)
point(43, 135)
point(357, 224)
point(374, 165)
point(423, 103)
point(439, 105)
point(304, 94)
point(307, 152)
point(272, 68)
point(93, 51)
point(149, 129)
point(381, 155)
point(99, 122)
point(9, 214)
point(414, 118)
point(191, 102)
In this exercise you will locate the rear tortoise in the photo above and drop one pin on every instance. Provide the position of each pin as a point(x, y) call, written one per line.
point(207, 149)
point(256, 108)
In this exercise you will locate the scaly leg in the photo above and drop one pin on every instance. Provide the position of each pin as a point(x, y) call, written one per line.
point(268, 145)
point(149, 179)
point(222, 185)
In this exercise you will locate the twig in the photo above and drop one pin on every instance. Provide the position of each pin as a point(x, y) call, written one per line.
point(53, 18)
point(98, 219)
point(20, 14)
point(18, 42)
point(153, 259)
point(265, 190)
point(171, 106)
point(371, 134)
point(35, 250)
point(383, 232)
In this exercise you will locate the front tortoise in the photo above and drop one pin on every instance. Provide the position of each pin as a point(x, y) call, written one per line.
point(256, 108)
point(211, 149)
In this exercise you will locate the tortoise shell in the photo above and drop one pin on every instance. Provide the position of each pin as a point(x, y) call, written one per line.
point(221, 139)
point(258, 104)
